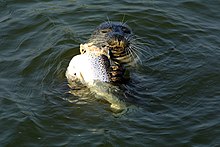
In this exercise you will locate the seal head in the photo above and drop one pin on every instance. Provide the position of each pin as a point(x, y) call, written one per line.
point(116, 37)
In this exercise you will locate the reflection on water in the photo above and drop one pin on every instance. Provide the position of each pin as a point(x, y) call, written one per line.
point(173, 94)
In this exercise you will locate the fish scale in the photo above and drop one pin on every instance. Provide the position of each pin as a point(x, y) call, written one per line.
point(99, 65)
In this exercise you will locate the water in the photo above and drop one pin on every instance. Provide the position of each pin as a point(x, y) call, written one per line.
point(175, 91)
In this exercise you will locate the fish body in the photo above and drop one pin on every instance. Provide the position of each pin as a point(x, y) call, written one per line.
point(92, 69)
point(88, 68)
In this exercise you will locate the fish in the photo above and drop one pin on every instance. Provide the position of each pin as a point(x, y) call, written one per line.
point(93, 70)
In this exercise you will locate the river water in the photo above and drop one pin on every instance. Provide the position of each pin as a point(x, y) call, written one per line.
point(174, 92)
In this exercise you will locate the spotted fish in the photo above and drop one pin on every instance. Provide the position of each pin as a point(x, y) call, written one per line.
point(92, 69)
point(88, 68)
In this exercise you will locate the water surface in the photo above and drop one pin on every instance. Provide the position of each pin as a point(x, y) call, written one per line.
point(175, 91)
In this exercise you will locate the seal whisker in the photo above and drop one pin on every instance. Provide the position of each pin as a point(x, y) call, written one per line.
point(131, 53)
point(146, 44)
point(140, 40)
point(108, 20)
point(136, 55)
point(135, 37)
point(134, 51)
point(122, 21)
point(141, 50)
point(140, 46)
point(136, 47)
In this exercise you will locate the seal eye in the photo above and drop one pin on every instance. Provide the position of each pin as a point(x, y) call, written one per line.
point(126, 30)
point(105, 30)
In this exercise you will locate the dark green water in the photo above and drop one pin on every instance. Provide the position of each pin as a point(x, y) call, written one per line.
point(175, 92)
